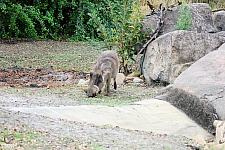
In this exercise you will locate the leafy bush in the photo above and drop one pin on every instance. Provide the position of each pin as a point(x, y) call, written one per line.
point(184, 19)
point(18, 22)
point(52, 19)
point(125, 30)
point(35, 19)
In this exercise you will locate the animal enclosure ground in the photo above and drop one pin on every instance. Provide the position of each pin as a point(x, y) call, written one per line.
point(45, 73)
point(53, 69)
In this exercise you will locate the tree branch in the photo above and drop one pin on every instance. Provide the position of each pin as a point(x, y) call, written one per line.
point(158, 28)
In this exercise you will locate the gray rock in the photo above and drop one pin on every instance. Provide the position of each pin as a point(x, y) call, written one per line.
point(149, 27)
point(201, 14)
point(200, 90)
point(120, 78)
point(219, 20)
point(82, 82)
point(221, 33)
point(202, 21)
point(220, 131)
point(170, 54)
point(150, 23)
point(137, 80)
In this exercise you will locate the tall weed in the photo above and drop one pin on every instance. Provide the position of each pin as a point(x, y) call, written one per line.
point(184, 19)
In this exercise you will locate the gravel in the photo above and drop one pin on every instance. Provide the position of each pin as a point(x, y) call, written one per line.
point(64, 134)
point(28, 131)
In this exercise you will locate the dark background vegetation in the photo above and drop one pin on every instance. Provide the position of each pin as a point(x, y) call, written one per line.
point(58, 19)
point(51, 19)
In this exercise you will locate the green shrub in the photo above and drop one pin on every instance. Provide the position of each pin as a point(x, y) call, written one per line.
point(56, 19)
point(184, 20)
point(35, 19)
point(52, 19)
point(15, 22)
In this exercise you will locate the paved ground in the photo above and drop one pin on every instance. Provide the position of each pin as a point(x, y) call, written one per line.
point(150, 115)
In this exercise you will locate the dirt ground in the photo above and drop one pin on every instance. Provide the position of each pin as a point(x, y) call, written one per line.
point(45, 73)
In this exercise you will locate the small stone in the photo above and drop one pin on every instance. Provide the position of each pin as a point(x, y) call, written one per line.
point(119, 79)
point(220, 131)
point(137, 80)
point(199, 139)
point(81, 82)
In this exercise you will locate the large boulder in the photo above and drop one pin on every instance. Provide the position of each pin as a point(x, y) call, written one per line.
point(202, 21)
point(201, 14)
point(200, 90)
point(221, 33)
point(219, 20)
point(172, 53)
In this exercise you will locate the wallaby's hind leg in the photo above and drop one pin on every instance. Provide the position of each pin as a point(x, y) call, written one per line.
point(107, 84)
point(115, 86)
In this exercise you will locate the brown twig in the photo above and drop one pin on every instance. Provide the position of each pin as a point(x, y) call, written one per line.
point(8, 138)
point(220, 9)
point(151, 6)
point(174, 5)
point(159, 24)
point(155, 34)
point(167, 4)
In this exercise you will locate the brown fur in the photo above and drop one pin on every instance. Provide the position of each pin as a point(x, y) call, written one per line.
point(105, 68)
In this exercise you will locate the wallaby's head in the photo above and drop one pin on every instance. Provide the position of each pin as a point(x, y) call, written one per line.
point(95, 85)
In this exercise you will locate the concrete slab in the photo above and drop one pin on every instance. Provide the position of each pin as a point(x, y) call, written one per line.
point(150, 115)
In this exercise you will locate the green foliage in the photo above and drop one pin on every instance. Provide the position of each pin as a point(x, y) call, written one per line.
point(52, 19)
point(35, 19)
point(184, 20)
point(20, 24)
point(56, 19)
point(78, 22)
point(85, 27)
point(125, 30)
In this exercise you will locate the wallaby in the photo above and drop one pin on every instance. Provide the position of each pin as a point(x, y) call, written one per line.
point(105, 68)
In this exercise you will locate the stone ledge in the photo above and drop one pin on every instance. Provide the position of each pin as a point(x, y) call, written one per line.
point(200, 90)
point(199, 110)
